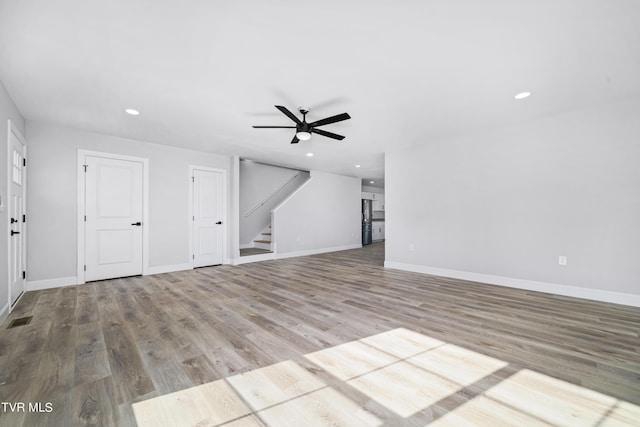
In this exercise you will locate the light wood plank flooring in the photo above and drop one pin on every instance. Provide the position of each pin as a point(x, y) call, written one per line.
point(331, 339)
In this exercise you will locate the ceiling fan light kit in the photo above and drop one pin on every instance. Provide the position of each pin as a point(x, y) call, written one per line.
point(303, 136)
point(304, 129)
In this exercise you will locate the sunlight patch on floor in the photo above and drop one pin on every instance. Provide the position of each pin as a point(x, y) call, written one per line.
point(403, 373)
point(531, 398)
point(281, 394)
point(214, 403)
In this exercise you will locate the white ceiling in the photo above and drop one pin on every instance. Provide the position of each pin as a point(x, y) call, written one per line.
point(408, 72)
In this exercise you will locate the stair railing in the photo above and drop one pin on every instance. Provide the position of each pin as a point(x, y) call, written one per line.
point(273, 193)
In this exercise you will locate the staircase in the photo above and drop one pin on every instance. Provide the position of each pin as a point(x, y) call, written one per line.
point(263, 241)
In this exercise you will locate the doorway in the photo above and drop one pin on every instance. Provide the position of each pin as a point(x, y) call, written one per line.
point(207, 208)
point(112, 237)
point(17, 196)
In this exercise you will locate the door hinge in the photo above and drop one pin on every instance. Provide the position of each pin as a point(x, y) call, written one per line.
point(85, 218)
point(193, 218)
point(85, 167)
point(85, 268)
point(24, 218)
point(24, 274)
point(24, 162)
point(193, 256)
point(193, 179)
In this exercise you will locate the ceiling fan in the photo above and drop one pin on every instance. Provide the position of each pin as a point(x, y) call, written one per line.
point(304, 129)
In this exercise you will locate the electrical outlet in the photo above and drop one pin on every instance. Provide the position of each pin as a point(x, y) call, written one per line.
point(562, 260)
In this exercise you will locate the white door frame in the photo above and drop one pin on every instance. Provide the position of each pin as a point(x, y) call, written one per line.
point(12, 129)
point(82, 154)
point(225, 259)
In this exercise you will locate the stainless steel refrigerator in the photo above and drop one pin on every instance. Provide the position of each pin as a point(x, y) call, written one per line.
point(367, 216)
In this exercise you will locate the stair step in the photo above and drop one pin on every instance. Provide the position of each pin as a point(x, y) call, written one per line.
point(262, 241)
point(266, 234)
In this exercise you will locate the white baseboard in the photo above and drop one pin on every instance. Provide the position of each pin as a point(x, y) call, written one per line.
point(317, 251)
point(253, 258)
point(4, 313)
point(530, 285)
point(73, 280)
point(168, 268)
point(67, 281)
point(38, 285)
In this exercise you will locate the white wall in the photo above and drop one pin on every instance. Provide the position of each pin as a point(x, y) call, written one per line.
point(323, 214)
point(507, 204)
point(258, 181)
point(8, 111)
point(52, 196)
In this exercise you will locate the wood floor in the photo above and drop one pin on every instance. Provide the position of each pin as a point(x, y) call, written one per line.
point(331, 339)
point(253, 251)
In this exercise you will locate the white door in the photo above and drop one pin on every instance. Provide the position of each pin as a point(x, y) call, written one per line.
point(208, 214)
point(15, 206)
point(113, 222)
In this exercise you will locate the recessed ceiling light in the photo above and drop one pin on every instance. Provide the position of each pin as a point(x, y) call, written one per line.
point(372, 182)
point(522, 95)
point(309, 154)
point(132, 112)
point(357, 166)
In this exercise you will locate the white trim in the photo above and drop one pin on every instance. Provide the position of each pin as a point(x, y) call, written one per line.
point(225, 203)
point(247, 245)
point(235, 208)
point(20, 296)
point(4, 313)
point(253, 258)
point(80, 208)
point(317, 251)
point(38, 285)
point(8, 197)
point(169, 268)
point(11, 129)
point(272, 219)
point(531, 285)
point(82, 154)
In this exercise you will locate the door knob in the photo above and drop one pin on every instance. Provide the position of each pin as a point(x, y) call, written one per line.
point(14, 232)
point(219, 222)
point(137, 224)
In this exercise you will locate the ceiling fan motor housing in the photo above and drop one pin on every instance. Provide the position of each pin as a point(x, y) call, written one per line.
point(303, 127)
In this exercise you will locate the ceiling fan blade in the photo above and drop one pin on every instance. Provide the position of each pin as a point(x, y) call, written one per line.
point(288, 114)
point(295, 140)
point(275, 127)
point(332, 119)
point(328, 134)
